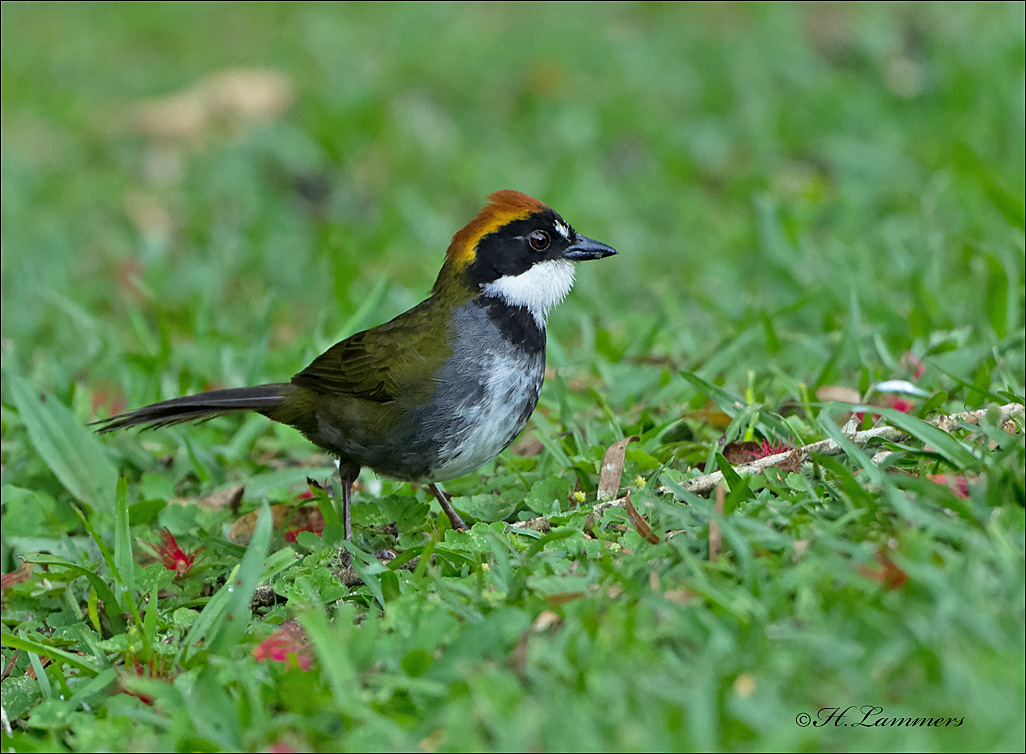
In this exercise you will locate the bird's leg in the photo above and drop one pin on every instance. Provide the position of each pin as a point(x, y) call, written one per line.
point(347, 520)
point(347, 474)
point(454, 517)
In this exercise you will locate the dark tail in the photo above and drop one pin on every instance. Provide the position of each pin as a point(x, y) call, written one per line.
point(261, 398)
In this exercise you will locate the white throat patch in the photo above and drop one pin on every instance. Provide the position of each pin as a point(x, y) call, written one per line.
point(538, 290)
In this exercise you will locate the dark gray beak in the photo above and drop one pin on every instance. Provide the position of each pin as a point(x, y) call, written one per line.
point(586, 248)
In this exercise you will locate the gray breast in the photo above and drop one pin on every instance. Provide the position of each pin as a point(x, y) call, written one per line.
point(487, 390)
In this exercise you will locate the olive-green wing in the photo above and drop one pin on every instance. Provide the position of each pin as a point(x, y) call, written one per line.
point(382, 363)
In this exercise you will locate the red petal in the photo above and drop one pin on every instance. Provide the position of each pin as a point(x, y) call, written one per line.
point(288, 641)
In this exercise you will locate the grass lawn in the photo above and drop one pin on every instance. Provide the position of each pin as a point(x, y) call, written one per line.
point(815, 205)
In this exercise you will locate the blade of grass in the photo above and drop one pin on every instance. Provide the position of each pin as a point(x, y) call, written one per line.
point(216, 608)
point(93, 686)
point(555, 536)
point(212, 612)
point(731, 477)
point(150, 619)
point(123, 560)
point(72, 452)
point(113, 607)
point(325, 505)
point(330, 645)
point(55, 654)
point(93, 608)
point(728, 404)
point(967, 385)
point(368, 568)
point(876, 475)
point(242, 586)
point(105, 551)
point(689, 498)
point(945, 444)
point(853, 451)
point(41, 677)
point(552, 444)
point(734, 405)
point(92, 641)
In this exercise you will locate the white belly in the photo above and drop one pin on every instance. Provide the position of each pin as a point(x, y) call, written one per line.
point(486, 423)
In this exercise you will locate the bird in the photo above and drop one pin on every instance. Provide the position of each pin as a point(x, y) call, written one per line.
point(443, 388)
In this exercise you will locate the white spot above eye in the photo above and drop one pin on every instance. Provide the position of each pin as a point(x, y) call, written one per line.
point(563, 229)
point(538, 289)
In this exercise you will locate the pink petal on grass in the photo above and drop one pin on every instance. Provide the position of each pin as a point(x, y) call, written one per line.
point(310, 519)
point(287, 642)
point(957, 484)
point(902, 405)
point(16, 577)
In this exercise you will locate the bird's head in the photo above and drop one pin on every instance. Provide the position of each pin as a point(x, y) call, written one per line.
point(520, 250)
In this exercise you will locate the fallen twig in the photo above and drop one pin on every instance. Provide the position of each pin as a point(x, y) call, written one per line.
point(791, 460)
point(707, 482)
point(640, 524)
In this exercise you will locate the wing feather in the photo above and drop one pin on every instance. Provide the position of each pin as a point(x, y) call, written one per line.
point(381, 364)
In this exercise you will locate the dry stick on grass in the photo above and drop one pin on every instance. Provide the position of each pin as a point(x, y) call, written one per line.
point(608, 487)
point(794, 458)
point(702, 484)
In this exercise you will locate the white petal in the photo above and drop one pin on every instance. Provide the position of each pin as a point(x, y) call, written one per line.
point(899, 386)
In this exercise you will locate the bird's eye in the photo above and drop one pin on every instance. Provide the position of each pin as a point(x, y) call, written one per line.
point(539, 240)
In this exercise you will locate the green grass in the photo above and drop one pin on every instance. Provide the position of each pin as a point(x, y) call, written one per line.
point(802, 195)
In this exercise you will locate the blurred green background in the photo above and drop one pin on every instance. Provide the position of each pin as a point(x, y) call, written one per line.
point(823, 165)
point(203, 195)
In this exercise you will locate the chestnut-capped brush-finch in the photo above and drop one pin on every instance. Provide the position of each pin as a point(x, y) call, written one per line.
point(441, 389)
